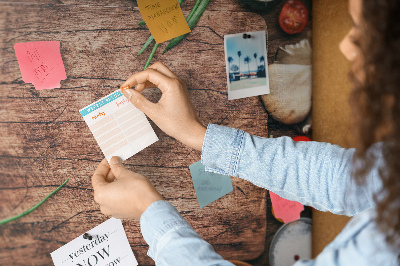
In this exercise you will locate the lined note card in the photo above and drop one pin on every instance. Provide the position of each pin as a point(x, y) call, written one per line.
point(41, 64)
point(119, 128)
point(164, 18)
point(108, 246)
point(209, 186)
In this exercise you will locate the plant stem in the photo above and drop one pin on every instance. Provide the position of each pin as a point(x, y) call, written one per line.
point(146, 44)
point(195, 6)
point(150, 56)
point(7, 220)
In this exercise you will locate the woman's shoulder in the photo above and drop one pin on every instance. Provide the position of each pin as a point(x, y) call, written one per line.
point(361, 240)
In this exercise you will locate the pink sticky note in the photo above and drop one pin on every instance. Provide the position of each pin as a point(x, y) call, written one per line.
point(41, 64)
point(285, 209)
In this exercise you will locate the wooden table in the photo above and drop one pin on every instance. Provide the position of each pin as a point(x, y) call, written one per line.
point(44, 140)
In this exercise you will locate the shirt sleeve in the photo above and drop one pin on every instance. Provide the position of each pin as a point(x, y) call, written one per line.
point(313, 173)
point(172, 241)
point(360, 243)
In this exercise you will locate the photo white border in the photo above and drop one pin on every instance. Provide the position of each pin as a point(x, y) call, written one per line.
point(247, 92)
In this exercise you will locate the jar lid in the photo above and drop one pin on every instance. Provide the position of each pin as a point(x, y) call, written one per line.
point(292, 242)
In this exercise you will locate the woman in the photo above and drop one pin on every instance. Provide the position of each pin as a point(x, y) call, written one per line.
point(317, 174)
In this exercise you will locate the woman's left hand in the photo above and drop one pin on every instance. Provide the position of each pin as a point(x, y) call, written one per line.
point(122, 193)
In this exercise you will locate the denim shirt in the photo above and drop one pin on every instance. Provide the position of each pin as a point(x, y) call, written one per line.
point(312, 173)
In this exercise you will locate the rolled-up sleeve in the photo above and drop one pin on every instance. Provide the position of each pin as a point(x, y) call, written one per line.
point(171, 239)
point(313, 173)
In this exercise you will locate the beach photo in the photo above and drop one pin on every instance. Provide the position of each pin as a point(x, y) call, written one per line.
point(246, 64)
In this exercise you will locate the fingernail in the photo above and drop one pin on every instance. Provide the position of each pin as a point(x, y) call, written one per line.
point(115, 160)
point(129, 92)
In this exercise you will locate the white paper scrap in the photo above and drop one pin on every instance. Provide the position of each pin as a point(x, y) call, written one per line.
point(109, 246)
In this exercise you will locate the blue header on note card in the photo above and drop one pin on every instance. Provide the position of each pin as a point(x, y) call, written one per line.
point(100, 103)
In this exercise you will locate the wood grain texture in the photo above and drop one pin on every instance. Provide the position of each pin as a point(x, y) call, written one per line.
point(44, 140)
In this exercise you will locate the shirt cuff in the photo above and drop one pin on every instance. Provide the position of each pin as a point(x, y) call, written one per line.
point(158, 219)
point(221, 150)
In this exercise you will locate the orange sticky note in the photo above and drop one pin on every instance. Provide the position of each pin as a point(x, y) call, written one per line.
point(164, 18)
point(285, 209)
point(41, 64)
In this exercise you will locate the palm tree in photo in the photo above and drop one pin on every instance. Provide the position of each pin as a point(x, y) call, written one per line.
point(247, 60)
point(255, 58)
point(234, 68)
point(262, 59)
point(262, 73)
point(239, 54)
point(230, 60)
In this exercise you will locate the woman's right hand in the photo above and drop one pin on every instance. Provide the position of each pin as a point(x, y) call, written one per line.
point(174, 112)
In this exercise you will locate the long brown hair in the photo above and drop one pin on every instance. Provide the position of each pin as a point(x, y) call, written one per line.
point(376, 105)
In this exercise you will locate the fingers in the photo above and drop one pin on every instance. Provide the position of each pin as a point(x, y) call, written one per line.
point(157, 75)
point(140, 102)
point(117, 167)
point(100, 174)
point(142, 86)
point(160, 67)
point(110, 177)
point(159, 80)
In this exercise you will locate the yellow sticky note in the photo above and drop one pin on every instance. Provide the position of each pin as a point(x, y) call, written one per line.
point(164, 18)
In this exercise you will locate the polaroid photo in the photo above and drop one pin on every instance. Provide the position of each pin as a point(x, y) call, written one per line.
point(246, 64)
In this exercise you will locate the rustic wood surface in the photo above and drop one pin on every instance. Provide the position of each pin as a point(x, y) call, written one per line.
point(44, 140)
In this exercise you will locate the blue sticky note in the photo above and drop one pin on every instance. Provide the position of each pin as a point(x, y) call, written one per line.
point(209, 186)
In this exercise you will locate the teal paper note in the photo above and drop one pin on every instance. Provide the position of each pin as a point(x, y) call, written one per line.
point(209, 186)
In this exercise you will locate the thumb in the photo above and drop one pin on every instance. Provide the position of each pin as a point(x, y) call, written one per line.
point(138, 100)
point(117, 168)
point(100, 174)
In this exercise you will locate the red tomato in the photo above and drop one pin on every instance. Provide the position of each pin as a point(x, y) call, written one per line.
point(293, 17)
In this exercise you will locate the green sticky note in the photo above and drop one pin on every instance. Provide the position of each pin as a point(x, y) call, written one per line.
point(209, 186)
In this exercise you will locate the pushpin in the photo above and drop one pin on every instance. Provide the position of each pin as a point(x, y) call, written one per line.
point(127, 87)
point(87, 236)
point(246, 36)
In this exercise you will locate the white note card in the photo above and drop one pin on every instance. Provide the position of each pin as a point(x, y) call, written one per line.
point(119, 128)
point(109, 246)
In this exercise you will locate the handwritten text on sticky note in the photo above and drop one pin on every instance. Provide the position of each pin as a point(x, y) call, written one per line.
point(164, 18)
point(41, 64)
point(285, 209)
point(209, 186)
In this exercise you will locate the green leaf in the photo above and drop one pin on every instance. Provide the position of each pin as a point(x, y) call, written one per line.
point(7, 220)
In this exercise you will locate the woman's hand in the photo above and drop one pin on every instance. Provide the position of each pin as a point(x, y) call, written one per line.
point(174, 112)
point(122, 193)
